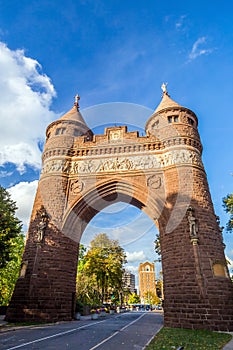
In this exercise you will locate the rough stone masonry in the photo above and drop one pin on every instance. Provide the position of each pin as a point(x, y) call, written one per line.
point(162, 174)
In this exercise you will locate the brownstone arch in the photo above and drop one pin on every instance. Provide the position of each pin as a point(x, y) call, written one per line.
point(162, 174)
point(105, 193)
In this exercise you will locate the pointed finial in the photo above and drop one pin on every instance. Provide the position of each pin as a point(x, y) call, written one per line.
point(76, 99)
point(164, 88)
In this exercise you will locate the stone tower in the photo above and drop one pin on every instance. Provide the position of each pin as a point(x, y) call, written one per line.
point(162, 174)
point(146, 275)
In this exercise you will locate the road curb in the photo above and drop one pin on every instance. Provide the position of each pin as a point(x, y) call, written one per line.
point(229, 346)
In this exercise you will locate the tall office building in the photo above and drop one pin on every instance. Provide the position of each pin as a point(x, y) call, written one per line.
point(129, 281)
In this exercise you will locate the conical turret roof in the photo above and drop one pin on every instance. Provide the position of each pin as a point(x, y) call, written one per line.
point(73, 114)
point(74, 117)
point(166, 102)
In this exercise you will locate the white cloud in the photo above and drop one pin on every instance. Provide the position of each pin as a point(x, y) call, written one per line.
point(5, 173)
point(135, 256)
point(197, 50)
point(25, 99)
point(23, 194)
point(128, 234)
point(133, 269)
point(180, 22)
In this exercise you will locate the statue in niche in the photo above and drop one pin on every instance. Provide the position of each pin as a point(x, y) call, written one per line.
point(193, 227)
point(23, 269)
point(42, 225)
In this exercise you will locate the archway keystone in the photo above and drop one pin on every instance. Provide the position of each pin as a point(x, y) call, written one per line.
point(162, 174)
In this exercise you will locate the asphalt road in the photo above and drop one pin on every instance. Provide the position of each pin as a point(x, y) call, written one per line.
point(128, 331)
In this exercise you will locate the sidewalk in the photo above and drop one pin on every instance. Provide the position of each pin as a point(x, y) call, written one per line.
point(2, 322)
point(4, 327)
point(229, 345)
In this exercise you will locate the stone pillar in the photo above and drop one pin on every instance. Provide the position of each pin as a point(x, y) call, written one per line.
point(45, 290)
point(198, 292)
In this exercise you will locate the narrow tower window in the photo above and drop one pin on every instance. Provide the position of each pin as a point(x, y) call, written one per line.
point(77, 132)
point(173, 119)
point(60, 131)
point(190, 121)
point(169, 119)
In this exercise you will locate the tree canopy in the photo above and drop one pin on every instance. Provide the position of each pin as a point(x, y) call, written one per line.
point(157, 246)
point(134, 299)
point(81, 257)
point(228, 205)
point(102, 270)
point(10, 273)
point(10, 226)
point(151, 298)
point(11, 246)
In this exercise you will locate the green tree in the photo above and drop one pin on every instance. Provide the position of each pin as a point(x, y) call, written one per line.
point(10, 227)
point(10, 273)
point(81, 257)
point(103, 268)
point(159, 288)
point(158, 246)
point(86, 291)
point(228, 205)
point(151, 298)
point(231, 272)
point(134, 299)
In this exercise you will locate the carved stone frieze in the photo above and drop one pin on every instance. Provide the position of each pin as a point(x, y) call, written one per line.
point(112, 164)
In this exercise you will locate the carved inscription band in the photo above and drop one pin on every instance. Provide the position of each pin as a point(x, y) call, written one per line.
point(85, 166)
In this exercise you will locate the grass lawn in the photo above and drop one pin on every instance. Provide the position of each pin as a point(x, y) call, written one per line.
point(173, 338)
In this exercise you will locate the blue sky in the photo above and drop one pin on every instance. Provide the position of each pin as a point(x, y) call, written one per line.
point(115, 54)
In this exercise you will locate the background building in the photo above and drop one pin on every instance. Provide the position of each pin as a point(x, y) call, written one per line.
point(129, 282)
point(147, 284)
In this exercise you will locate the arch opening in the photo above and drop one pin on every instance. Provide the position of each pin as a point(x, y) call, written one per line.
point(89, 205)
point(135, 233)
point(126, 223)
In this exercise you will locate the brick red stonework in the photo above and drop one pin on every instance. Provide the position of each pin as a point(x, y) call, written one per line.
point(160, 173)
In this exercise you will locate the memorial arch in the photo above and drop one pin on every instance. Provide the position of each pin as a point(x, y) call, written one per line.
point(160, 173)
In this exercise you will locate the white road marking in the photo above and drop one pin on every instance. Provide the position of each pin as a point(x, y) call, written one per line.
point(151, 338)
point(113, 335)
point(52, 336)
